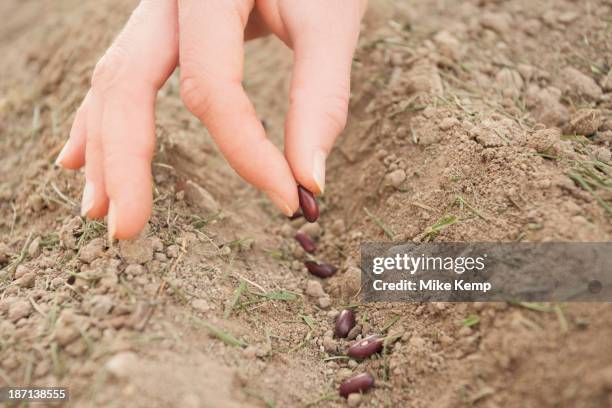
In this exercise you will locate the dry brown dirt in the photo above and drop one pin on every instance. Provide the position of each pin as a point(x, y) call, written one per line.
point(496, 113)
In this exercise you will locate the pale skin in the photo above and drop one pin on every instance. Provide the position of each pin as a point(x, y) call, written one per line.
point(113, 134)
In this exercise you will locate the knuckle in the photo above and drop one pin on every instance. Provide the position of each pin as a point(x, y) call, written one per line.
point(194, 96)
point(337, 111)
point(108, 68)
point(333, 104)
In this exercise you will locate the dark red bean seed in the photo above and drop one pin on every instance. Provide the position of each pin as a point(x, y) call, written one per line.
point(295, 216)
point(344, 323)
point(366, 347)
point(321, 270)
point(306, 242)
point(359, 383)
point(309, 205)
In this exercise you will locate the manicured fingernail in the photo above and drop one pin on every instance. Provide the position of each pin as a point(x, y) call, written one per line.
point(280, 203)
point(112, 222)
point(88, 199)
point(60, 156)
point(318, 170)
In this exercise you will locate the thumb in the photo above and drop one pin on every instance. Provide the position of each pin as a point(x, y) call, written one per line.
point(320, 90)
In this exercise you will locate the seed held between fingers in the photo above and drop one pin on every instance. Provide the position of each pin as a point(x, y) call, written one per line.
point(306, 242)
point(366, 347)
point(359, 383)
point(309, 205)
point(321, 270)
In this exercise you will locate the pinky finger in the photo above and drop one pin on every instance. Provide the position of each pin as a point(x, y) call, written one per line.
point(72, 155)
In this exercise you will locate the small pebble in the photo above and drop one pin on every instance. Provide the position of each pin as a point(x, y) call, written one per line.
point(395, 178)
point(120, 364)
point(312, 229)
point(324, 302)
point(314, 289)
point(172, 251)
point(354, 400)
point(200, 305)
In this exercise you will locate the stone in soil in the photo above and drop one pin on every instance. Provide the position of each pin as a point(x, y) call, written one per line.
point(200, 305)
point(324, 302)
point(120, 364)
point(314, 289)
point(172, 251)
point(354, 400)
point(313, 229)
point(200, 197)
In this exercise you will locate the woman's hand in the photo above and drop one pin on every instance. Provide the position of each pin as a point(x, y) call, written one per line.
point(113, 133)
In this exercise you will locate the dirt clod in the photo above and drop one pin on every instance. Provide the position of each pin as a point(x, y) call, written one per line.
point(585, 122)
point(314, 289)
point(19, 310)
point(395, 178)
point(137, 251)
point(94, 249)
point(578, 85)
point(200, 197)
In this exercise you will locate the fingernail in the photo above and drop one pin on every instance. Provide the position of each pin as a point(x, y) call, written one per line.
point(280, 203)
point(60, 156)
point(88, 199)
point(112, 222)
point(318, 170)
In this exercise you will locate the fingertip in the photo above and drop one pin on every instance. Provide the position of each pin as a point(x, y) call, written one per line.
point(308, 168)
point(128, 216)
point(287, 205)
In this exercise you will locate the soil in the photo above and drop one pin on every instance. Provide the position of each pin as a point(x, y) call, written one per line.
point(496, 113)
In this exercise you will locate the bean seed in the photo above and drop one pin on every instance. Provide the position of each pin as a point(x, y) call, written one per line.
point(295, 216)
point(366, 347)
point(306, 242)
point(321, 270)
point(359, 383)
point(309, 205)
point(344, 323)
